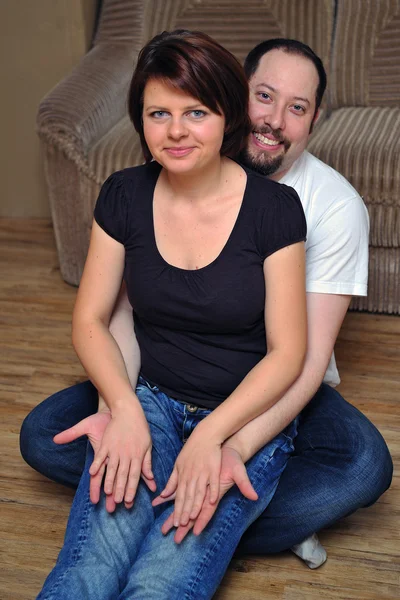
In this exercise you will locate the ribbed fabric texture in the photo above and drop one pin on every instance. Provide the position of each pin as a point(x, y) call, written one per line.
point(361, 137)
point(83, 107)
point(122, 21)
point(236, 24)
point(118, 149)
point(383, 282)
point(363, 144)
point(366, 69)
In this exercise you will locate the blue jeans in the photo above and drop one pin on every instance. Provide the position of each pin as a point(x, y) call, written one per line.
point(340, 464)
point(124, 555)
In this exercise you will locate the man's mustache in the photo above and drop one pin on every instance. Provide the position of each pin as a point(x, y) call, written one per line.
point(277, 133)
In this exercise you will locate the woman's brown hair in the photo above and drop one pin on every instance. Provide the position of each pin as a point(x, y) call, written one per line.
point(196, 64)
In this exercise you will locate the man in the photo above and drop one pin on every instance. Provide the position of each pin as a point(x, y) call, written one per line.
point(340, 462)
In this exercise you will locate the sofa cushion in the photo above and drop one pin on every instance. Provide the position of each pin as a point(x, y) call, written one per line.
point(239, 25)
point(118, 149)
point(236, 24)
point(383, 283)
point(363, 145)
point(365, 62)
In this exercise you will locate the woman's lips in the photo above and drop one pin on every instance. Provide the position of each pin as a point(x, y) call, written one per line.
point(179, 151)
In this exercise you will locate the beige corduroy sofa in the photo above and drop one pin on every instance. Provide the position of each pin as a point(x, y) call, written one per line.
point(86, 134)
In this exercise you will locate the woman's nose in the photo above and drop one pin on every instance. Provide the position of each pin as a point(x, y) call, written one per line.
point(177, 128)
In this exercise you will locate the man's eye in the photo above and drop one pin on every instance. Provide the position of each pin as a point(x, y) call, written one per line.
point(299, 108)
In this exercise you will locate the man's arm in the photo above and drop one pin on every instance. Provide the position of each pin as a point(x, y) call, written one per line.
point(325, 316)
point(122, 330)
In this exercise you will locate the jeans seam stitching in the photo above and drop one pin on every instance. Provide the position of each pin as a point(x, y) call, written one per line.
point(76, 553)
point(189, 595)
point(196, 579)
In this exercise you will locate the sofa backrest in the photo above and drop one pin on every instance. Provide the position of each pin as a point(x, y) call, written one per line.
point(366, 54)
point(237, 24)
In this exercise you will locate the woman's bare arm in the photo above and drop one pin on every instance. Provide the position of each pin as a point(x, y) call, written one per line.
point(126, 443)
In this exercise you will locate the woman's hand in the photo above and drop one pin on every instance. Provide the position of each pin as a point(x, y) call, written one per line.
point(196, 471)
point(126, 451)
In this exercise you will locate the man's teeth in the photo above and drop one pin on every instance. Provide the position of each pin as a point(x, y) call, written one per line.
point(265, 140)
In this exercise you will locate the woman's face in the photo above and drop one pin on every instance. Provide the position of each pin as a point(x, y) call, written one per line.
point(182, 134)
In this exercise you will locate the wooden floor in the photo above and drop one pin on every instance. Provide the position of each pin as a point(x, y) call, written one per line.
point(37, 359)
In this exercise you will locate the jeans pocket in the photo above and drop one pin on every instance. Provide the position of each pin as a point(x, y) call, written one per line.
point(143, 383)
point(290, 432)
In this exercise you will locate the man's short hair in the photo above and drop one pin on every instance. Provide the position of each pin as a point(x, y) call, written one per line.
point(291, 47)
point(194, 63)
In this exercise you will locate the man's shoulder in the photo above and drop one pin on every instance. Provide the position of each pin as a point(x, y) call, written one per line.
point(324, 178)
point(326, 196)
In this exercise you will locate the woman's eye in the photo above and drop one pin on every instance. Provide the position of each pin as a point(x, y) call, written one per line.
point(299, 108)
point(158, 114)
point(197, 114)
point(264, 96)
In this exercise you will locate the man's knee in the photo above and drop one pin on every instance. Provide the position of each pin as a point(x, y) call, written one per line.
point(345, 438)
point(60, 411)
point(374, 464)
point(33, 444)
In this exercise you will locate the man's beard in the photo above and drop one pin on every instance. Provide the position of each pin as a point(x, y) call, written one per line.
point(261, 163)
point(258, 164)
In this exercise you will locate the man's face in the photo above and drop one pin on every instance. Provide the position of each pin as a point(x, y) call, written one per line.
point(281, 109)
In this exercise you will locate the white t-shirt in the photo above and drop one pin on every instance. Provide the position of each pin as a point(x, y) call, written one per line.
point(337, 233)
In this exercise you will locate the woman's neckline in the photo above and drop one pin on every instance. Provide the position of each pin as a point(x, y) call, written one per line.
point(224, 247)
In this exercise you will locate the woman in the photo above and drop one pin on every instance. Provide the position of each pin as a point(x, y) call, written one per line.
point(213, 259)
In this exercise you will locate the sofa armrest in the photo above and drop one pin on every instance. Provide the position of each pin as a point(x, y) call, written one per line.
point(87, 103)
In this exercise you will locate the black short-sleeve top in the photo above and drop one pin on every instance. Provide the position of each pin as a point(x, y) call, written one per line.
point(199, 331)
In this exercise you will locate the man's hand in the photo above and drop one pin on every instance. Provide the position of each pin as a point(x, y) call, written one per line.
point(94, 427)
point(233, 471)
point(197, 469)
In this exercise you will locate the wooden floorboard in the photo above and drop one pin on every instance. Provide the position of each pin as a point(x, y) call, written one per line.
point(37, 359)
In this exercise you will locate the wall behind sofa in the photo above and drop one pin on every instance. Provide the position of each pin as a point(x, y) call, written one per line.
point(40, 42)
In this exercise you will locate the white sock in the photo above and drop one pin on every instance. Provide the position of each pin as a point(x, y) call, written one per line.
point(311, 551)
